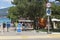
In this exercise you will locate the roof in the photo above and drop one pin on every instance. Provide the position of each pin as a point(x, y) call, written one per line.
point(25, 20)
point(54, 19)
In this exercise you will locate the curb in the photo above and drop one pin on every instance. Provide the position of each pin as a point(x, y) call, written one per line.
point(30, 37)
point(54, 35)
point(23, 37)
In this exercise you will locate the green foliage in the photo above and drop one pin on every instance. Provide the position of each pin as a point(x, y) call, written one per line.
point(31, 9)
point(12, 13)
point(58, 0)
point(55, 11)
point(27, 8)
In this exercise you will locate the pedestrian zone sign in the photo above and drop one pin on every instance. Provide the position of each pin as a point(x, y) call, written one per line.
point(48, 12)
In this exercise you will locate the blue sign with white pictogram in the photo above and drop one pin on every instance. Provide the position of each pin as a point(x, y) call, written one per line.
point(48, 11)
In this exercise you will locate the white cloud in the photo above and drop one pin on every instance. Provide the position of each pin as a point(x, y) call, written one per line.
point(2, 7)
point(7, 0)
point(5, 3)
point(51, 0)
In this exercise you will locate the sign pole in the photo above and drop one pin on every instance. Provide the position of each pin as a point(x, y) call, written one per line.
point(49, 25)
point(48, 13)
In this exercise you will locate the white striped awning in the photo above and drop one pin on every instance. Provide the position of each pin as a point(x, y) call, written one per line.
point(26, 21)
point(54, 19)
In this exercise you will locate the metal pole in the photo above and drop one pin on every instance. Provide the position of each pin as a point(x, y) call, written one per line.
point(48, 26)
point(48, 11)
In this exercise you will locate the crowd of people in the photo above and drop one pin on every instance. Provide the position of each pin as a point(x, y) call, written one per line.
point(6, 25)
point(16, 25)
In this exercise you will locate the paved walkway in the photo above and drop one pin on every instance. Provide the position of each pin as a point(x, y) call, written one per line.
point(27, 35)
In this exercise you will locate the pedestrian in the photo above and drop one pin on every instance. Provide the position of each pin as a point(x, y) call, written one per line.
point(19, 27)
point(4, 25)
point(23, 26)
point(16, 23)
point(8, 26)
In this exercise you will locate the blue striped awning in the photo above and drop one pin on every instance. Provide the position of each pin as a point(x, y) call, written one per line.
point(5, 20)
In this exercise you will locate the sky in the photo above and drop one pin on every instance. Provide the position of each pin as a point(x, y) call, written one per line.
point(7, 3)
point(51, 0)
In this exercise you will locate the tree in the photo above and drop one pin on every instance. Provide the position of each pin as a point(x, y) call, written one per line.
point(55, 11)
point(12, 13)
point(27, 8)
point(57, 0)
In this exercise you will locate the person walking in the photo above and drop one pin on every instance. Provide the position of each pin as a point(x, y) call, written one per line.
point(19, 27)
point(4, 25)
point(8, 26)
point(16, 23)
